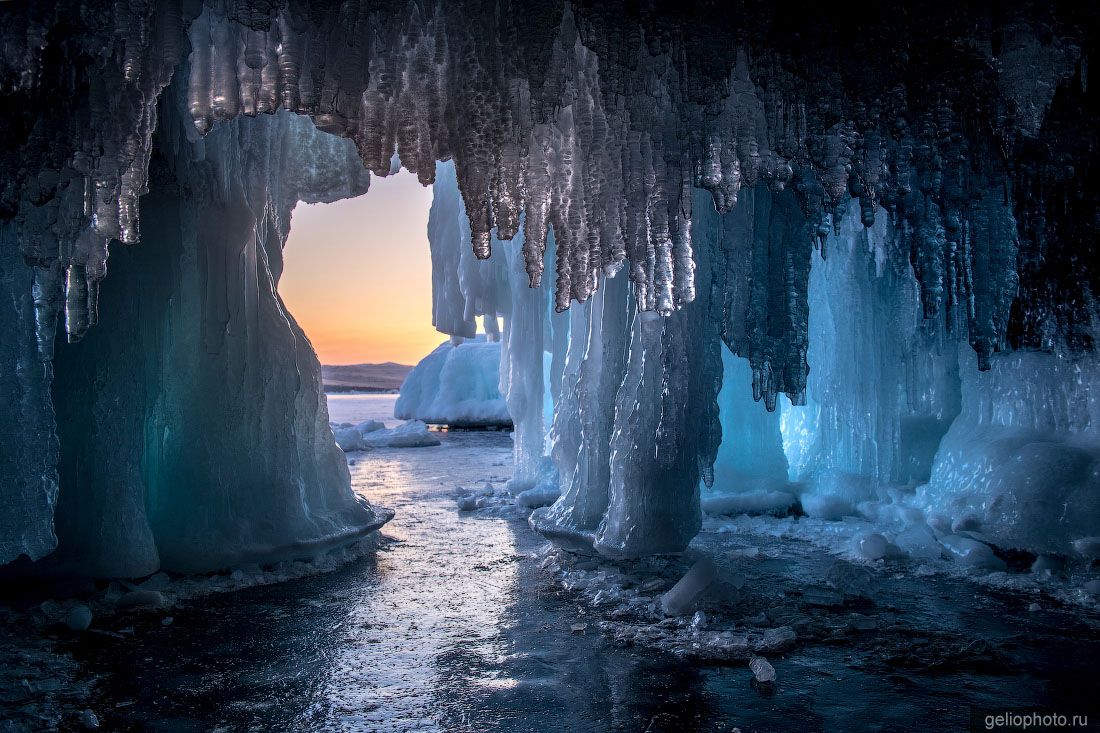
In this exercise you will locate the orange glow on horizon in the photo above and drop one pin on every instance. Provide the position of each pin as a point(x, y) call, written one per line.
point(357, 274)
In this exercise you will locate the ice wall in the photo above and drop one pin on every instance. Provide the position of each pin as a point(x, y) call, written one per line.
point(1020, 466)
point(194, 435)
point(28, 442)
point(751, 456)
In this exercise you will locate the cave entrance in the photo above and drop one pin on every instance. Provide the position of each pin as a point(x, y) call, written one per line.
point(357, 276)
point(357, 279)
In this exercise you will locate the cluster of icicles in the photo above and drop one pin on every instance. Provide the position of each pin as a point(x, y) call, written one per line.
point(604, 156)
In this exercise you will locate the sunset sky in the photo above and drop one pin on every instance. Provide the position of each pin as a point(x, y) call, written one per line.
point(358, 274)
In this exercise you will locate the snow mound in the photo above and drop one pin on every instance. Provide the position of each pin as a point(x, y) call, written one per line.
point(456, 385)
point(373, 434)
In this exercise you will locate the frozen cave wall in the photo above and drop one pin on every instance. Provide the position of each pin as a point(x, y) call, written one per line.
point(193, 433)
point(667, 172)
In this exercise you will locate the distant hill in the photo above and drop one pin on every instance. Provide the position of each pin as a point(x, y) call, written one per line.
point(364, 377)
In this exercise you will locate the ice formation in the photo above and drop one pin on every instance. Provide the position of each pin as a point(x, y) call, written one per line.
point(373, 434)
point(723, 201)
point(458, 384)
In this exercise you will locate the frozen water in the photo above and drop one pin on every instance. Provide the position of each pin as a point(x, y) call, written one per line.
point(919, 542)
point(79, 617)
point(456, 385)
point(872, 546)
point(972, 553)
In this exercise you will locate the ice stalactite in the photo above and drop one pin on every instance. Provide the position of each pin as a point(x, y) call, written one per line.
point(751, 455)
point(590, 128)
point(630, 467)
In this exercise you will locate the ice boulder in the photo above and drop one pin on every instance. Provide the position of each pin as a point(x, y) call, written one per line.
point(456, 385)
point(1021, 463)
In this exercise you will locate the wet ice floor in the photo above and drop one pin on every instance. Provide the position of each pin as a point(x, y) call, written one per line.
point(453, 627)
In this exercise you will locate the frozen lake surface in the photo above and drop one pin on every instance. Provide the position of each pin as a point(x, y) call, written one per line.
point(355, 407)
point(453, 627)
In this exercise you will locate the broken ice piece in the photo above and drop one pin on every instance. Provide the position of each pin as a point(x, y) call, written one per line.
point(872, 546)
point(467, 503)
point(1033, 607)
point(89, 720)
point(1048, 563)
point(578, 628)
point(1093, 587)
point(919, 543)
point(762, 670)
point(142, 599)
point(777, 638)
point(698, 621)
point(682, 596)
point(79, 617)
point(157, 581)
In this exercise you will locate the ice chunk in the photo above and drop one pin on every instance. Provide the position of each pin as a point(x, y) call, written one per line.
point(827, 506)
point(373, 434)
point(142, 599)
point(538, 496)
point(79, 617)
point(679, 599)
point(971, 552)
point(89, 720)
point(1048, 564)
point(848, 579)
point(872, 546)
point(156, 581)
point(1020, 460)
point(1093, 587)
point(410, 434)
point(762, 669)
point(919, 543)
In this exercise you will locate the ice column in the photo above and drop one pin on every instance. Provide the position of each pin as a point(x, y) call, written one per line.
point(28, 441)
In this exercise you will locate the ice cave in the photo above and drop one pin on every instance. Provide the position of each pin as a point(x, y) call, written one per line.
point(764, 392)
